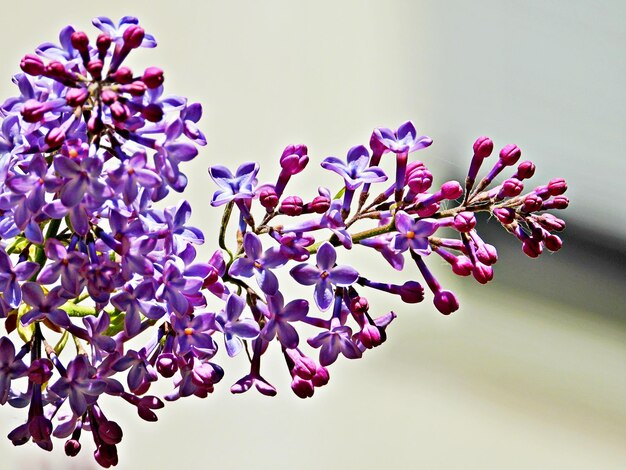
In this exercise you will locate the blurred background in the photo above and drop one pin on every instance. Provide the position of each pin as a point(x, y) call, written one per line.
point(531, 371)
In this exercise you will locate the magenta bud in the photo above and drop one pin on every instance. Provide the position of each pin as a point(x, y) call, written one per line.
point(465, 221)
point(510, 188)
point(370, 336)
point(76, 96)
point(32, 65)
point(321, 377)
point(553, 242)
point(166, 364)
point(95, 124)
point(94, 67)
point(505, 215)
point(55, 137)
point(462, 266)
point(532, 247)
point(110, 432)
point(268, 198)
point(446, 302)
point(211, 278)
point(557, 186)
point(304, 367)
point(483, 147)
point(411, 292)
point(40, 371)
point(482, 273)
point(147, 414)
point(319, 204)
point(376, 145)
point(153, 77)
point(137, 88)
point(359, 305)
point(510, 154)
point(487, 254)
point(525, 170)
point(152, 112)
point(80, 41)
point(557, 202)
point(55, 69)
point(133, 36)
point(551, 222)
point(32, 111)
point(418, 178)
point(119, 111)
point(72, 447)
point(451, 190)
point(294, 159)
point(292, 206)
point(123, 75)
point(108, 96)
point(532, 203)
point(302, 388)
point(103, 42)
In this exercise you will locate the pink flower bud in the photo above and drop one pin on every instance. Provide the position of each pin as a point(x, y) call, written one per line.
point(110, 432)
point(505, 215)
point(152, 112)
point(294, 159)
point(40, 371)
point(525, 170)
point(510, 188)
point(33, 111)
point(482, 273)
point(510, 154)
point(370, 336)
point(94, 67)
point(106, 455)
point(72, 447)
point(108, 96)
point(451, 190)
point(137, 88)
point(319, 204)
point(418, 178)
point(321, 377)
point(462, 266)
point(550, 222)
point(557, 186)
point(532, 247)
point(123, 75)
point(103, 42)
point(411, 292)
point(167, 365)
point(76, 96)
point(483, 147)
point(55, 137)
point(465, 221)
point(80, 41)
point(302, 388)
point(32, 65)
point(153, 77)
point(557, 202)
point(446, 302)
point(553, 243)
point(133, 36)
point(119, 111)
point(487, 254)
point(292, 206)
point(55, 70)
point(359, 305)
point(268, 198)
point(532, 203)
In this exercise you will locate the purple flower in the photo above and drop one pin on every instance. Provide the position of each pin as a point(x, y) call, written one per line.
point(79, 385)
point(44, 306)
point(10, 275)
point(404, 140)
point(258, 263)
point(194, 334)
point(234, 187)
point(10, 368)
point(132, 174)
point(279, 317)
point(96, 327)
point(413, 234)
point(355, 170)
point(384, 245)
point(141, 372)
point(80, 177)
point(324, 275)
point(234, 328)
point(337, 340)
point(136, 301)
point(66, 265)
point(116, 32)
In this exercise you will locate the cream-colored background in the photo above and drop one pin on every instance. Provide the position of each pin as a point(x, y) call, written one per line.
point(530, 373)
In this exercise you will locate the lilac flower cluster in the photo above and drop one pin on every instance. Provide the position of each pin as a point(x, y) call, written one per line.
point(87, 259)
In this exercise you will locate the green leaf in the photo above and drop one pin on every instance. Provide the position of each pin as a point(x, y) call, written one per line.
point(340, 193)
point(117, 323)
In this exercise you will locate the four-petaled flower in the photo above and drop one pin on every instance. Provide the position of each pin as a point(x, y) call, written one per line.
point(413, 234)
point(239, 186)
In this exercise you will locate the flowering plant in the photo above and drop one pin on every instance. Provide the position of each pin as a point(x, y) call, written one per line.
point(87, 257)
